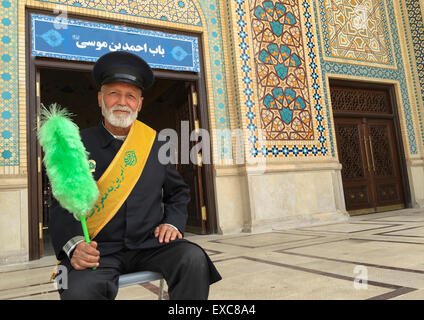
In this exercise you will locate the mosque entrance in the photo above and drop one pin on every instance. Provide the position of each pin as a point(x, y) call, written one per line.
point(369, 147)
point(173, 101)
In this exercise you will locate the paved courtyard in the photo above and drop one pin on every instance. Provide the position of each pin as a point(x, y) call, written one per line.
point(377, 256)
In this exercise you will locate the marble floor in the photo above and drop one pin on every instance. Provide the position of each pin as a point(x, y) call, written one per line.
point(377, 256)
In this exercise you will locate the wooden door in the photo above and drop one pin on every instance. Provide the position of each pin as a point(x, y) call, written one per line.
point(40, 170)
point(191, 172)
point(368, 150)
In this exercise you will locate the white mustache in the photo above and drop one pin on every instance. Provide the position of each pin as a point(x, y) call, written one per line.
point(121, 108)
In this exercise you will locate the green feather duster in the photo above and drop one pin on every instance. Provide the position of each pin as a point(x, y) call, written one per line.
point(66, 162)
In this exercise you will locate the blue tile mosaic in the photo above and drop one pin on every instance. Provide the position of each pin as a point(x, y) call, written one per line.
point(9, 113)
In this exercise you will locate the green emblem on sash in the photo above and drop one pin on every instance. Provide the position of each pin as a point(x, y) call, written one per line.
point(130, 158)
point(92, 165)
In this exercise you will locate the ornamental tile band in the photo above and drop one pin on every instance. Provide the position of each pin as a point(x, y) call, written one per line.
point(279, 53)
point(416, 25)
point(179, 11)
point(9, 113)
point(280, 61)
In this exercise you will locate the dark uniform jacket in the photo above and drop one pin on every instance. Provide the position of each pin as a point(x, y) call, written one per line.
point(133, 225)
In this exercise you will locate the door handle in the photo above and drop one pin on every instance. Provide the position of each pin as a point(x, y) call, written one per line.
point(372, 154)
point(366, 153)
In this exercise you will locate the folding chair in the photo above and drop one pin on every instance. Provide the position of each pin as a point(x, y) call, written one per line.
point(130, 279)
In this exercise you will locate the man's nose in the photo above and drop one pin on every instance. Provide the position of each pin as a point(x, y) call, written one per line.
point(122, 100)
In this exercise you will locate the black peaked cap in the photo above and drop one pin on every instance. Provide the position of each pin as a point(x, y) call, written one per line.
point(122, 66)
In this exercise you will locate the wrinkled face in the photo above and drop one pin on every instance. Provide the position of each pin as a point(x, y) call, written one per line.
point(120, 103)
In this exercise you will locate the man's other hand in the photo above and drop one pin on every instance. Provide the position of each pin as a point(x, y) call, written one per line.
point(85, 256)
point(166, 233)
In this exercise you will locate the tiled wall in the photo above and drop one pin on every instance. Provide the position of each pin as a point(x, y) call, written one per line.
point(180, 11)
point(275, 44)
point(350, 39)
point(371, 66)
point(9, 111)
point(192, 16)
point(414, 22)
point(285, 56)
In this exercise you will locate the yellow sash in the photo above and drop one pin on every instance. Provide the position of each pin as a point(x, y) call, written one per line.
point(120, 177)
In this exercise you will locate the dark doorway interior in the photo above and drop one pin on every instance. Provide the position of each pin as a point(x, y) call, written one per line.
point(165, 105)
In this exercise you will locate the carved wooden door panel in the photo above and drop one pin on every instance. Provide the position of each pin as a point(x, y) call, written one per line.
point(354, 157)
point(385, 164)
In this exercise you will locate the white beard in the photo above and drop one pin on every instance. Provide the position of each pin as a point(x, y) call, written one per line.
point(122, 120)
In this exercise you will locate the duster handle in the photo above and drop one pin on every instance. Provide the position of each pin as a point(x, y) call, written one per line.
point(85, 231)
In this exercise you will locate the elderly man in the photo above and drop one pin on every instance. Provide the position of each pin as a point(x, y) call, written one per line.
point(140, 225)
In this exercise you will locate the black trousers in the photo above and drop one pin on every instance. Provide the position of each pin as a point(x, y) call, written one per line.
point(182, 263)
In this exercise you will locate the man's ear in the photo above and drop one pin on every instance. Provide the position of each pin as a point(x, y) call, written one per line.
point(99, 98)
point(140, 104)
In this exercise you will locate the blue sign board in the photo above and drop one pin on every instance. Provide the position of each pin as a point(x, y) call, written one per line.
point(72, 39)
